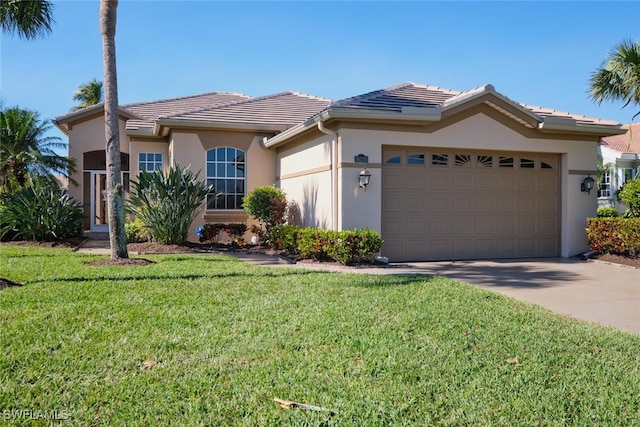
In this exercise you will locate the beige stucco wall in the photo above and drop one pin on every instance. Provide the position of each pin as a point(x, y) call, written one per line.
point(189, 147)
point(478, 132)
point(305, 176)
point(142, 146)
point(88, 136)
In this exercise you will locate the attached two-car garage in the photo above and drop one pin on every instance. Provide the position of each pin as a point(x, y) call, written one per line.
point(444, 204)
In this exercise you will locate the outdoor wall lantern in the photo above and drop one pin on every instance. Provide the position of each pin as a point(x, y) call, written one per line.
point(587, 184)
point(363, 178)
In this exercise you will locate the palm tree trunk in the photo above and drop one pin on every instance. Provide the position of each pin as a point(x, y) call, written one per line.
point(115, 206)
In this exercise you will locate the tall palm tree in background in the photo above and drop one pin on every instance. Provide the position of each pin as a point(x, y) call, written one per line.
point(618, 78)
point(115, 206)
point(28, 19)
point(26, 152)
point(88, 94)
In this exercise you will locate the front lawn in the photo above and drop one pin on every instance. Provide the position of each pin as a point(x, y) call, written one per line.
point(209, 340)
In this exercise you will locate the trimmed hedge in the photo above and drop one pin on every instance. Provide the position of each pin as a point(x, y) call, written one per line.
point(347, 247)
point(614, 235)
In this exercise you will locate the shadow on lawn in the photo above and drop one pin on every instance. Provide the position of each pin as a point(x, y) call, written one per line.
point(188, 277)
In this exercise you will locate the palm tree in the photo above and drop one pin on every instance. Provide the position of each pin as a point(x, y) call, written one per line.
point(88, 94)
point(26, 151)
point(29, 19)
point(115, 206)
point(618, 78)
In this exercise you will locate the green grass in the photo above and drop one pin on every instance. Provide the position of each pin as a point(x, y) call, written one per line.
point(229, 337)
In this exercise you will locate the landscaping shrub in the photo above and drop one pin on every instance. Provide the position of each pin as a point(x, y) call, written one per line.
point(355, 246)
point(235, 232)
point(347, 247)
point(629, 194)
point(136, 232)
point(607, 212)
point(267, 204)
point(614, 235)
point(167, 203)
point(285, 237)
point(41, 212)
point(314, 243)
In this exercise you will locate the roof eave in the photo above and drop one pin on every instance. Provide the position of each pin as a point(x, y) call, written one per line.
point(414, 115)
point(161, 126)
point(570, 126)
point(62, 122)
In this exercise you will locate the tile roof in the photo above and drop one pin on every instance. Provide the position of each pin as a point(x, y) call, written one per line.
point(395, 97)
point(627, 143)
point(419, 95)
point(286, 109)
point(152, 110)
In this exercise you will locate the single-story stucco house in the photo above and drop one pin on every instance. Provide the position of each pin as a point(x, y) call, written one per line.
point(454, 175)
point(620, 158)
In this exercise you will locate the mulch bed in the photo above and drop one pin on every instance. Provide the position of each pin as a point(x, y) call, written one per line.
point(619, 259)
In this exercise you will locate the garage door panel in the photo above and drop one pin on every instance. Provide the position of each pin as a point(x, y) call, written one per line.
point(464, 204)
point(524, 182)
point(526, 203)
point(439, 203)
point(484, 181)
point(548, 226)
point(440, 249)
point(416, 202)
point(484, 225)
point(416, 225)
point(485, 203)
point(479, 209)
point(527, 226)
point(463, 226)
point(463, 181)
point(506, 182)
point(440, 179)
point(485, 248)
point(547, 182)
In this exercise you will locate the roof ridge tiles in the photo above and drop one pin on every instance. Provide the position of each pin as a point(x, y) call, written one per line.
point(244, 102)
point(346, 102)
point(180, 98)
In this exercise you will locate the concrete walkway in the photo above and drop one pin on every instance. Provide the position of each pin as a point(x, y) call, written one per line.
point(594, 291)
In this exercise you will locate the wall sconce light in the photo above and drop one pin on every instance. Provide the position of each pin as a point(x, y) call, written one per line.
point(363, 178)
point(587, 184)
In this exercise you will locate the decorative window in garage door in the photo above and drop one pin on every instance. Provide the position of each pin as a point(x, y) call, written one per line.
point(458, 159)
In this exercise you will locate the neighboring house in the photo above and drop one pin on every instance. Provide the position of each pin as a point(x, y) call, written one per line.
point(620, 155)
point(454, 175)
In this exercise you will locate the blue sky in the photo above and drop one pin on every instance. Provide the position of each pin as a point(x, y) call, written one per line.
point(539, 53)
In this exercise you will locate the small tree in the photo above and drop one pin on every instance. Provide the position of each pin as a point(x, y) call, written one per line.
point(167, 203)
point(629, 194)
point(268, 205)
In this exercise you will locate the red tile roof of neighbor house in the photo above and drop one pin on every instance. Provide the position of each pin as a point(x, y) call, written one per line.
point(627, 143)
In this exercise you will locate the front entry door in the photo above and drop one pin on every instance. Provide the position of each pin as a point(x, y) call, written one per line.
point(99, 217)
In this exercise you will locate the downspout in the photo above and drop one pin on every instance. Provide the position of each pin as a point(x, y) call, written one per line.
point(334, 172)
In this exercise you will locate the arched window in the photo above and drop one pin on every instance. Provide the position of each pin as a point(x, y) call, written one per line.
point(226, 172)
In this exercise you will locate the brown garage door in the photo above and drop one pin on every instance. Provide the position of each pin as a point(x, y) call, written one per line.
point(450, 205)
